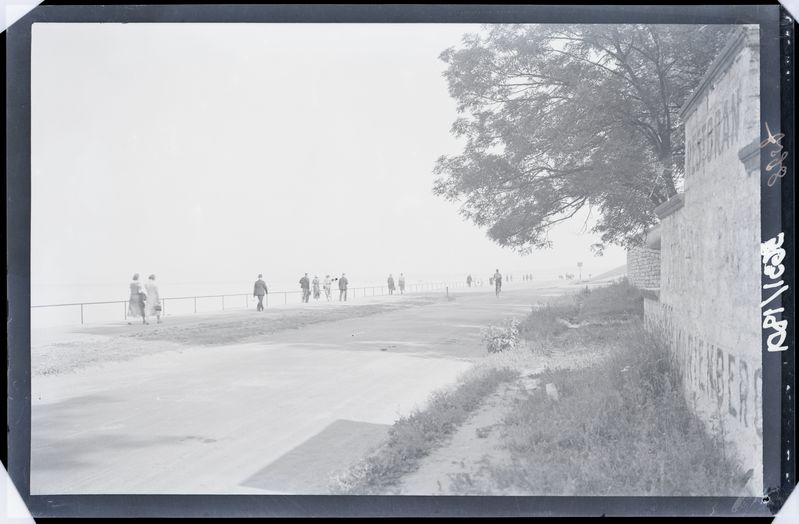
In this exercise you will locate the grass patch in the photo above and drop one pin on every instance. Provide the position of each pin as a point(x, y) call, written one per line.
point(415, 436)
point(615, 302)
point(621, 427)
point(619, 300)
point(543, 324)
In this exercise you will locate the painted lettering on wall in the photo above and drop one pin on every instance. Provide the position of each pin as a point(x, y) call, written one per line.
point(716, 381)
point(772, 255)
point(714, 135)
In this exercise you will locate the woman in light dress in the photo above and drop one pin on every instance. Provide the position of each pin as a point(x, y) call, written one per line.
point(153, 299)
point(328, 285)
point(137, 300)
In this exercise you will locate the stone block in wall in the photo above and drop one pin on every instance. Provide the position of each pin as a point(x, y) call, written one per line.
point(643, 267)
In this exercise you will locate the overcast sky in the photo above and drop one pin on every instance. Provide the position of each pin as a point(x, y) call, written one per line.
point(214, 152)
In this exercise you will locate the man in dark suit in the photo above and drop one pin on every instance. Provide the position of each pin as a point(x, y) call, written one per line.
point(305, 284)
point(260, 291)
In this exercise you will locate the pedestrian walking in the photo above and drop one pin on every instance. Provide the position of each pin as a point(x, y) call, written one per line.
point(401, 283)
point(469, 280)
point(137, 300)
point(328, 285)
point(390, 284)
point(342, 287)
point(305, 284)
point(497, 278)
point(316, 291)
point(260, 291)
point(153, 299)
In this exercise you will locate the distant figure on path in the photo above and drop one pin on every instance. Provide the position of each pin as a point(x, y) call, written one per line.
point(153, 299)
point(260, 291)
point(137, 300)
point(328, 285)
point(305, 284)
point(342, 287)
point(497, 278)
point(316, 291)
point(469, 281)
point(402, 284)
point(390, 284)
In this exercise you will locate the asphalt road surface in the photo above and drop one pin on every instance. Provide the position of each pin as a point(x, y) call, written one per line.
point(276, 415)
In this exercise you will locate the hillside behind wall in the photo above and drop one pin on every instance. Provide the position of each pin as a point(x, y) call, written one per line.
point(708, 310)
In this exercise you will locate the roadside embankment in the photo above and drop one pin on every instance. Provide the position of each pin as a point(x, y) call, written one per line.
point(590, 405)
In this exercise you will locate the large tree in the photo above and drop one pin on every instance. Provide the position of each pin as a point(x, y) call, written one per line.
point(557, 118)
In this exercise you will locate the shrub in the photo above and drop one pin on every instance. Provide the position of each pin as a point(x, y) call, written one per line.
point(501, 338)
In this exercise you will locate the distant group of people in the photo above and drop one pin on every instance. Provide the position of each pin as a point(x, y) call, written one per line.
point(308, 288)
point(400, 281)
point(306, 285)
point(145, 300)
point(494, 280)
point(314, 287)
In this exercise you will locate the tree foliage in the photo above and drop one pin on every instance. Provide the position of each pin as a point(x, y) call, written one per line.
point(559, 118)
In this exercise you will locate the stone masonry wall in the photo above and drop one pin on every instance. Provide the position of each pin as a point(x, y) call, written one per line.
point(709, 307)
point(643, 267)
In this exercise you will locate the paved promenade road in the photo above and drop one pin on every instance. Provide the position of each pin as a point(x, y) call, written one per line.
point(276, 414)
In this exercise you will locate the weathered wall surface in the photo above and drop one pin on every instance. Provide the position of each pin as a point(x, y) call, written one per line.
point(643, 267)
point(722, 383)
point(709, 307)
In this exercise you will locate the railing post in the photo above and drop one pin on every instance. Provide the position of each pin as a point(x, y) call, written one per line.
point(125, 312)
point(81, 314)
point(195, 304)
point(285, 298)
point(223, 302)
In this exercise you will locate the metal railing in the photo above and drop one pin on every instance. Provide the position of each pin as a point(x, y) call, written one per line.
point(352, 293)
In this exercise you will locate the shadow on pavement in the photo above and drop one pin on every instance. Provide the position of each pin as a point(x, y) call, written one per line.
point(307, 468)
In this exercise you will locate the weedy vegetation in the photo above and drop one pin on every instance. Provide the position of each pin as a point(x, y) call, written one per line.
point(501, 338)
point(620, 427)
point(413, 437)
